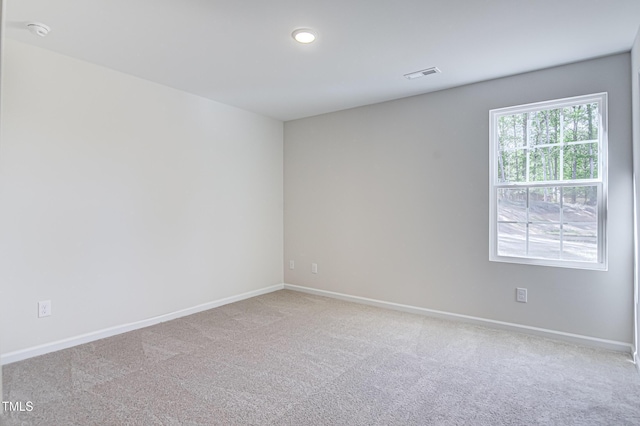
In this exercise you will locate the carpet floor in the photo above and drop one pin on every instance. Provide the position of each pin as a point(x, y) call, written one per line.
point(289, 358)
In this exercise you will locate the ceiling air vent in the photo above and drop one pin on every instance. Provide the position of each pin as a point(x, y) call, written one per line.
point(38, 28)
point(418, 74)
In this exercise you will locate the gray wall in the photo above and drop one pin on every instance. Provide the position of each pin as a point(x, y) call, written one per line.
point(391, 201)
point(123, 200)
point(635, 83)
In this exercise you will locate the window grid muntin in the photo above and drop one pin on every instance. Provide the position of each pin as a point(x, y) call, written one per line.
point(600, 122)
point(599, 100)
point(561, 222)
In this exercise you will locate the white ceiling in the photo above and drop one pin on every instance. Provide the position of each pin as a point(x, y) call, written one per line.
point(240, 52)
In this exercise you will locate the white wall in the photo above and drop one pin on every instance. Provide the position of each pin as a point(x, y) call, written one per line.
point(122, 199)
point(391, 201)
point(635, 84)
point(2, 24)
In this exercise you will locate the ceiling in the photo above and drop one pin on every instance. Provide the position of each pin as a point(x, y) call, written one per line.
point(240, 52)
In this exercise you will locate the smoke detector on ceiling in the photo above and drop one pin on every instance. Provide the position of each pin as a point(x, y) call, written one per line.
point(38, 28)
point(422, 73)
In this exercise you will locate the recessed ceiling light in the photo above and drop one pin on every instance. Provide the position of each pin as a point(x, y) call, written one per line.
point(422, 73)
point(303, 35)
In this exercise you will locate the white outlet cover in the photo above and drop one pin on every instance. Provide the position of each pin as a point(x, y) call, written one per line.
point(521, 295)
point(44, 308)
point(314, 268)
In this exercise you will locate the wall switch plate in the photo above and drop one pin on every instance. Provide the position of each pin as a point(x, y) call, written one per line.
point(292, 264)
point(314, 268)
point(44, 308)
point(521, 295)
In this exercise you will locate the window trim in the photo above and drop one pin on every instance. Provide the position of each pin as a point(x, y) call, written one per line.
point(601, 182)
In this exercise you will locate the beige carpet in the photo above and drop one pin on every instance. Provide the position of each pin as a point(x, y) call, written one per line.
point(294, 359)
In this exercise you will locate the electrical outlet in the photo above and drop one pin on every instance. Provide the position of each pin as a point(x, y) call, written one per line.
point(292, 264)
point(44, 308)
point(314, 268)
point(521, 295)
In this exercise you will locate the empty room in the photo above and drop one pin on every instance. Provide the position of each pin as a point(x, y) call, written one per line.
point(353, 212)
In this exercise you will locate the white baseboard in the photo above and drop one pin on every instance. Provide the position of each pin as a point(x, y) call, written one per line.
point(553, 334)
point(22, 354)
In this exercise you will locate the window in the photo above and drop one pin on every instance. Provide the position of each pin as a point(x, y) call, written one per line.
point(548, 180)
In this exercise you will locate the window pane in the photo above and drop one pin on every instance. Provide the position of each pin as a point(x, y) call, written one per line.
point(544, 163)
point(581, 161)
point(512, 205)
point(580, 204)
point(512, 239)
point(512, 166)
point(580, 122)
point(544, 204)
point(580, 242)
point(512, 131)
point(544, 241)
point(544, 127)
point(548, 197)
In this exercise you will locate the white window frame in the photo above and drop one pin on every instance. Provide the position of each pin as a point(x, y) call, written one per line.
point(600, 182)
